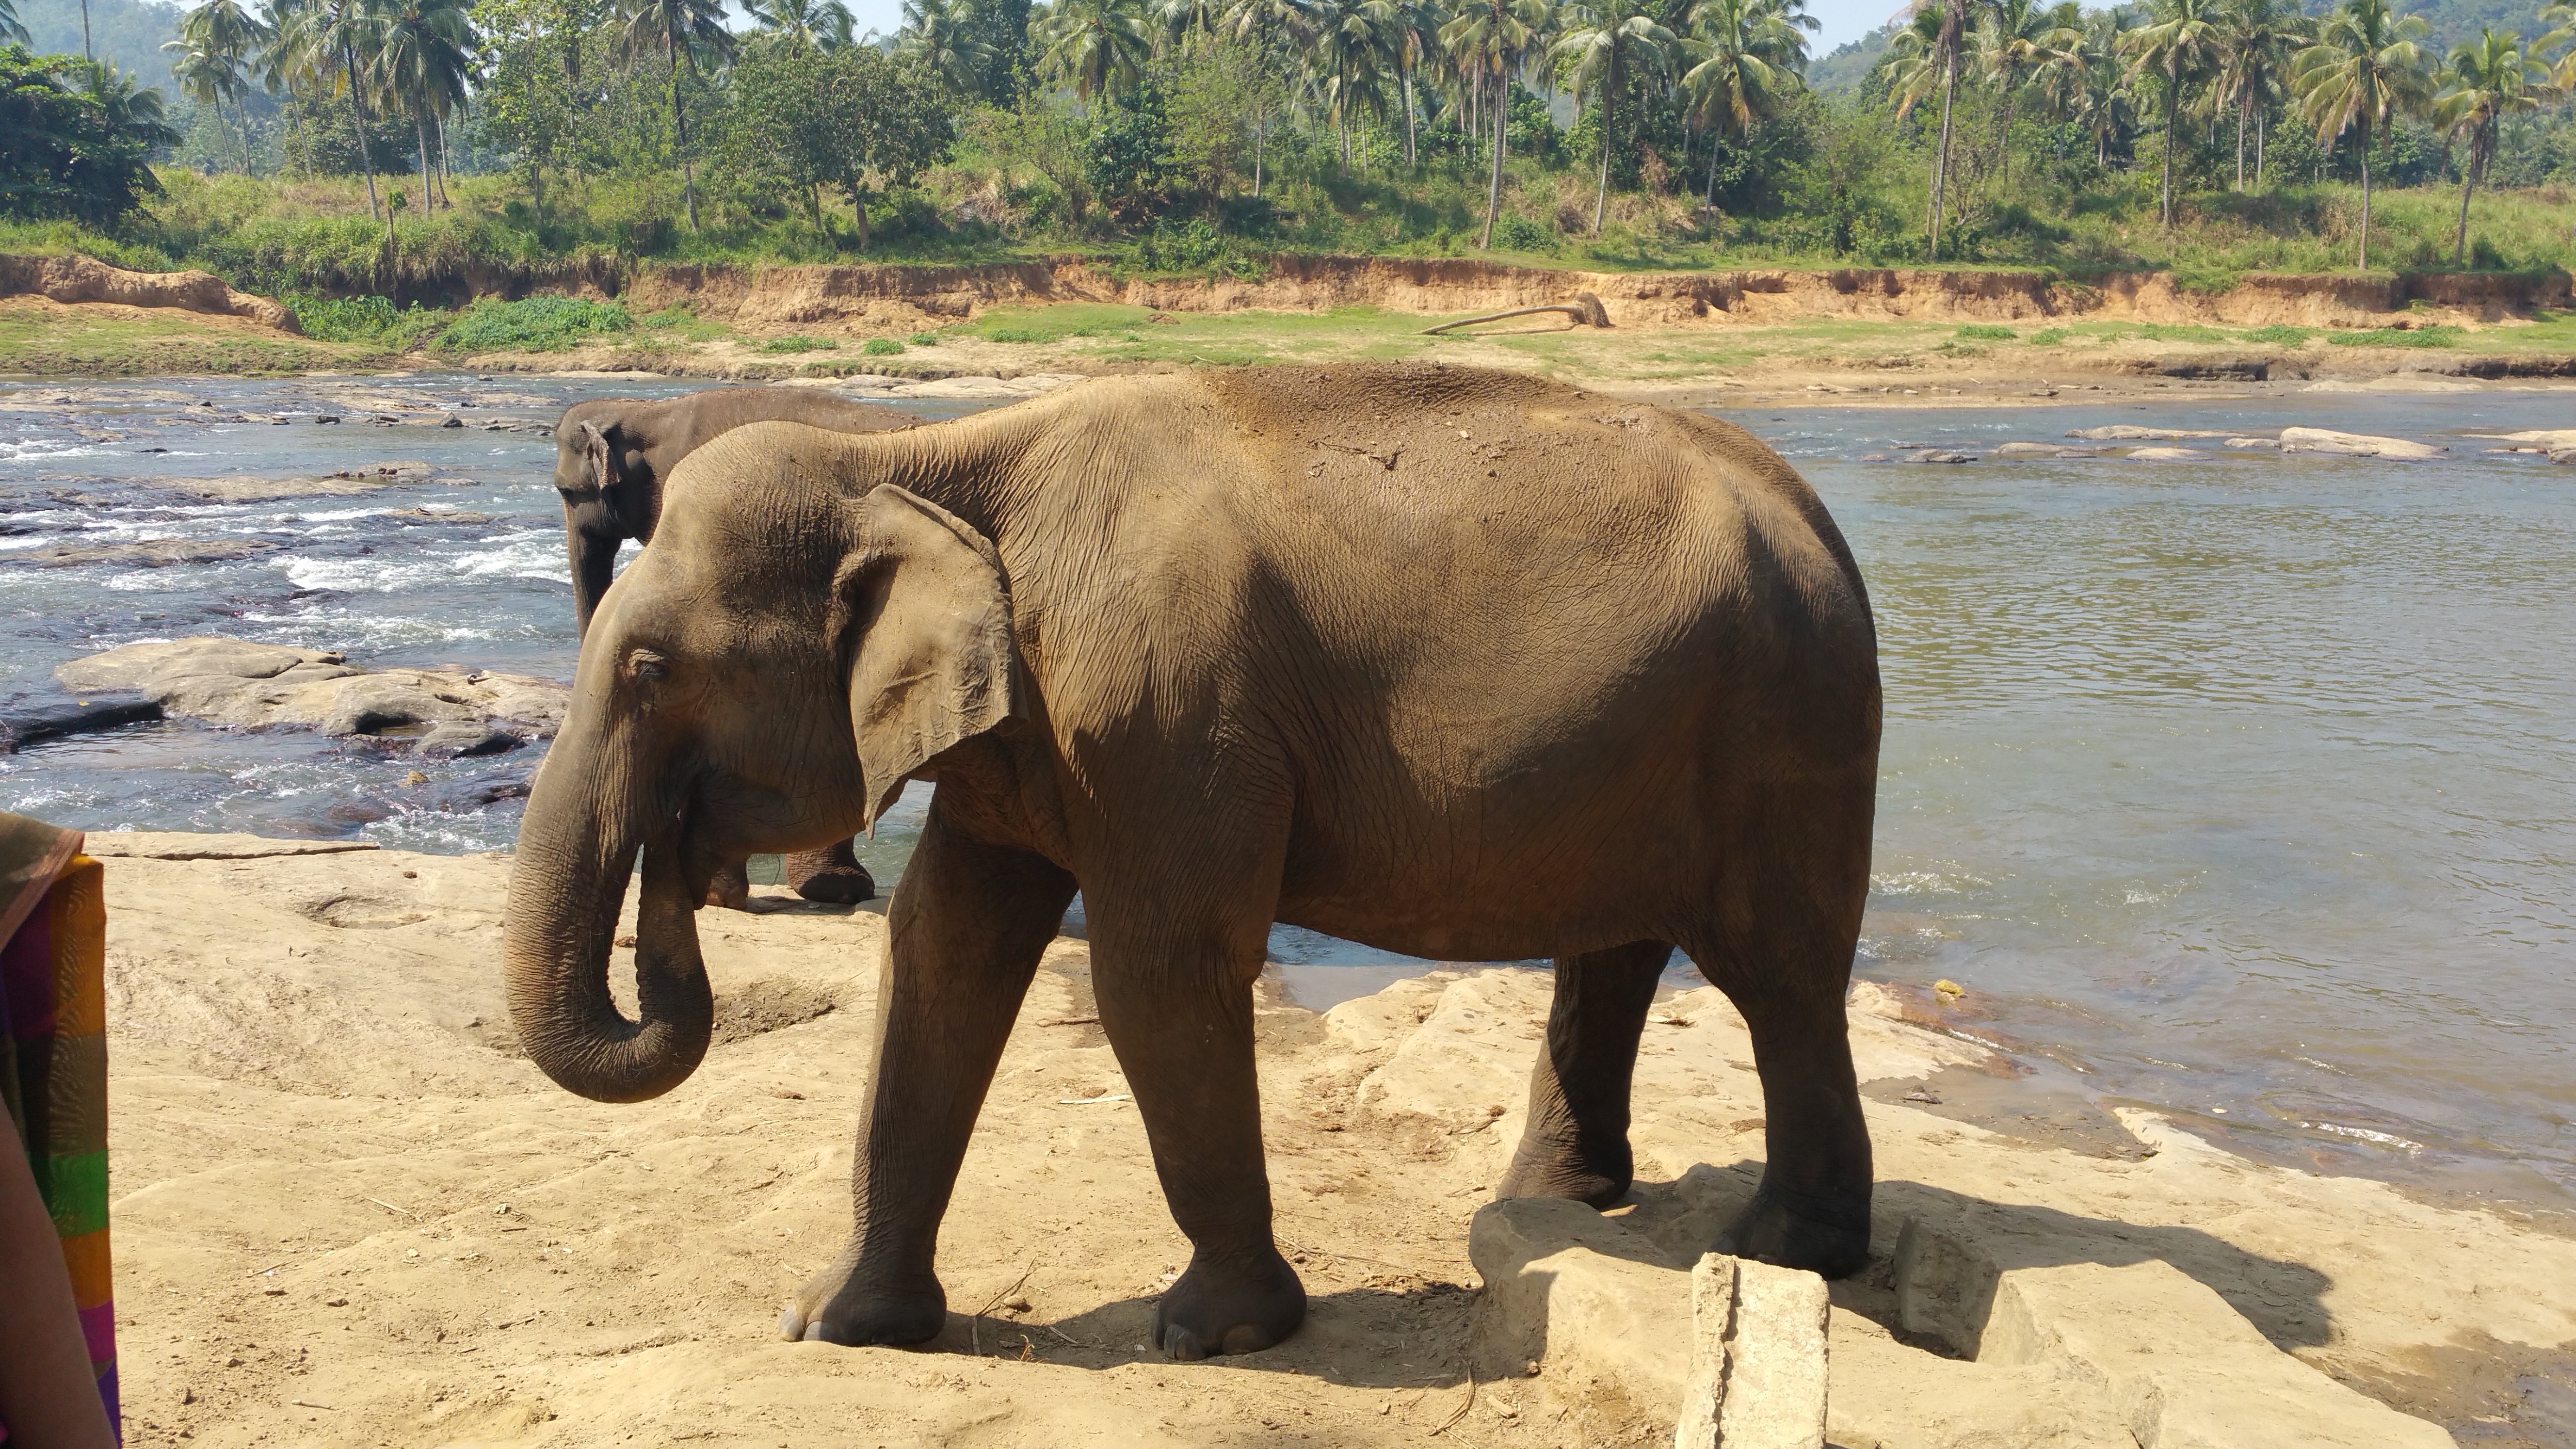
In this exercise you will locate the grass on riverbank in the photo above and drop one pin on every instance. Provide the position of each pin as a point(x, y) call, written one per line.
point(47, 339)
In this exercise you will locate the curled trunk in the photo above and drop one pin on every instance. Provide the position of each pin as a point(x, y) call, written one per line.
point(576, 851)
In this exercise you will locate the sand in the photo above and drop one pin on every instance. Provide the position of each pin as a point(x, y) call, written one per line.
point(347, 1212)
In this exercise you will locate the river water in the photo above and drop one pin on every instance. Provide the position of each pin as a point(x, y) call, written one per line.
point(2242, 787)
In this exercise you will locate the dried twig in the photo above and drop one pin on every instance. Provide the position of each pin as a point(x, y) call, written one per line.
point(974, 1325)
point(389, 1207)
point(1462, 1408)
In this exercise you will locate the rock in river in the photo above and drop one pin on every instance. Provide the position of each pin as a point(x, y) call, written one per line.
point(2356, 445)
point(142, 553)
point(234, 682)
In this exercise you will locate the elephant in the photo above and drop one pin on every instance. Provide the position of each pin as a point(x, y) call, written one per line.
point(612, 456)
point(1363, 649)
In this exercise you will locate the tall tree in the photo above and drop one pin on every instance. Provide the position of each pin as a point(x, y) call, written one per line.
point(941, 35)
point(1488, 42)
point(2490, 79)
point(215, 47)
point(2366, 69)
point(10, 30)
point(685, 32)
point(1094, 46)
point(2258, 39)
point(1924, 58)
point(331, 45)
point(1604, 43)
point(2561, 37)
point(423, 56)
point(1745, 57)
point(2180, 42)
point(2018, 40)
point(823, 24)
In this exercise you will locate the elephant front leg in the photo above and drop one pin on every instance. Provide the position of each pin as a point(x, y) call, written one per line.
point(1575, 1144)
point(967, 927)
point(832, 875)
point(1178, 1011)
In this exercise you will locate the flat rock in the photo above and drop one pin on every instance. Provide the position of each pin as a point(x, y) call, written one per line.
point(2547, 440)
point(257, 488)
point(2041, 450)
point(2356, 445)
point(235, 682)
point(2166, 455)
point(2125, 432)
point(416, 517)
point(143, 553)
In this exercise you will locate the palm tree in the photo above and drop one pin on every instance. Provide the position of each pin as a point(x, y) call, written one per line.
point(2562, 20)
point(1602, 39)
point(331, 44)
point(2366, 69)
point(216, 40)
point(1092, 45)
point(2259, 37)
point(1351, 46)
point(2490, 79)
point(822, 24)
point(11, 32)
point(1488, 41)
point(684, 31)
point(2018, 41)
point(422, 62)
point(1921, 59)
point(1748, 54)
point(941, 34)
point(2181, 41)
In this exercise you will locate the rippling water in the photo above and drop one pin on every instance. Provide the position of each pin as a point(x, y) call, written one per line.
point(2245, 787)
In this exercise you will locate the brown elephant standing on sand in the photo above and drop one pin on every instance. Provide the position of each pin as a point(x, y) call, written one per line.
point(1364, 649)
point(611, 458)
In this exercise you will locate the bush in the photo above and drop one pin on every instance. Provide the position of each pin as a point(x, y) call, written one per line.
point(2048, 337)
point(925, 339)
point(1520, 234)
point(1976, 333)
point(364, 319)
point(800, 344)
point(1019, 334)
point(881, 347)
point(538, 324)
point(2279, 335)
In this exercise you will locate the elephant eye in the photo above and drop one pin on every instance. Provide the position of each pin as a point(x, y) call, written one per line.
point(645, 664)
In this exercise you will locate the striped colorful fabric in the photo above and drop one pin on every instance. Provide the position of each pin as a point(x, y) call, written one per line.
point(53, 1058)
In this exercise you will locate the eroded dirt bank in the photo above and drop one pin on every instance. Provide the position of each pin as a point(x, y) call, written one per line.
point(347, 1211)
point(792, 296)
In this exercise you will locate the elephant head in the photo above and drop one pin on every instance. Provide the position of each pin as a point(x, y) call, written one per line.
point(764, 677)
point(608, 495)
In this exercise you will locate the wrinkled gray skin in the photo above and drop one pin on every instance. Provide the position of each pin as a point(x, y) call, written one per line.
point(611, 457)
point(1367, 650)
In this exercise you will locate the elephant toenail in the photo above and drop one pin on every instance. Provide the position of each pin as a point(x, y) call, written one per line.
point(1183, 1346)
point(791, 1325)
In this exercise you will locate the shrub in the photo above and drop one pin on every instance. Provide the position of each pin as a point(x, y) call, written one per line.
point(2279, 335)
point(364, 319)
point(925, 339)
point(1018, 334)
point(1520, 234)
point(537, 324)
point(1975, 333)
point(881, 347)
point(2048, 337)
point(800, 344)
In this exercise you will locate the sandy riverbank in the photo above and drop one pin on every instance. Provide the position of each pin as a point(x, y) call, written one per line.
point(346, 1211)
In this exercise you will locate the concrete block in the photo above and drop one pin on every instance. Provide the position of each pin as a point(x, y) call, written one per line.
point(1759, 1369)
point(1599, 1308)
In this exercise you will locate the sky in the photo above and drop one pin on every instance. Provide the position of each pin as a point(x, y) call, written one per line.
point(1843, 19)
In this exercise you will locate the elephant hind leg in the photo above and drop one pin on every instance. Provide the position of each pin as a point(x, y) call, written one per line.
point(1575, 1144)
point(1786, 970)
point(832, 874)
point(967, 928)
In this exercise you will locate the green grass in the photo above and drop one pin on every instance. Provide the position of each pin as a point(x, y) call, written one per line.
point(798, 343)
point(366, 319)
point(535, 324)
point(2048, 337)
point(925, 339)
point(2437, 336)
point(882, 347)
point(85, 342)
point(1975, 333)
point(2279, 335)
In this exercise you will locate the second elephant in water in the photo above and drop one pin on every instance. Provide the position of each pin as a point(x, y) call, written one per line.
point(1368, 650)
point(612, 456)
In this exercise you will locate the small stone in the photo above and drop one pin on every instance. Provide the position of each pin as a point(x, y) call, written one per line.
point(453, 421)
point(1017, 1305)
point(328, 418)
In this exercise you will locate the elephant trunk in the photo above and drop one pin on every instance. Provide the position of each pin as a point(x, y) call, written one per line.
point(594, 566)
point(576, 850)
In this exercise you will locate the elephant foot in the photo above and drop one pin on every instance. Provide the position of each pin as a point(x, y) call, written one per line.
point(1827, 1236)
point(839, 1305)
point(1549, 1165)
point(832, 875)
point(1243, 1306)
point(730, 888)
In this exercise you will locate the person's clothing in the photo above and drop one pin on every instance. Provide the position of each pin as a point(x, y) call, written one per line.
point(53, 1055)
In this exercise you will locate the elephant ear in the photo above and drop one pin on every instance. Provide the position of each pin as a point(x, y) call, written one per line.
point(601, 449)
point(924, 618)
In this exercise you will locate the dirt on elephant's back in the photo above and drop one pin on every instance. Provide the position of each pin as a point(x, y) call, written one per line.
point(347, 1212)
